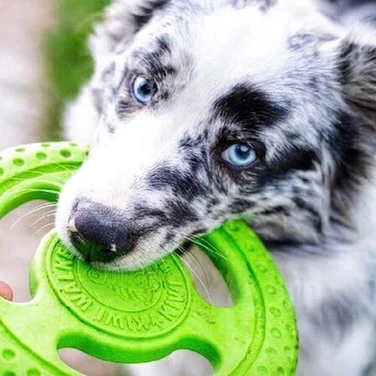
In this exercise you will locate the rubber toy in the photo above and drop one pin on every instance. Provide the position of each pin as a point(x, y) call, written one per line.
point(141, 316)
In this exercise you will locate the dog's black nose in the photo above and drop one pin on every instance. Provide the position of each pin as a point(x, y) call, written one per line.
point(98, 232)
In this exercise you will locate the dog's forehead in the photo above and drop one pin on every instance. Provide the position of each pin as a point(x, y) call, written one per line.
point(211, 52)
point(217, 56)
point(238, 46)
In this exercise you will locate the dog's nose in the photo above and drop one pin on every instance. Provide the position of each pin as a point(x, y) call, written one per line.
point(98, 232)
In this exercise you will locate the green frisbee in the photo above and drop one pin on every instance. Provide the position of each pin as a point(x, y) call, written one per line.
point(139, 316)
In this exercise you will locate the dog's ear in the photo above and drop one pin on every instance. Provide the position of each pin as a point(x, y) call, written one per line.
point(122, 21)
point(357, 65)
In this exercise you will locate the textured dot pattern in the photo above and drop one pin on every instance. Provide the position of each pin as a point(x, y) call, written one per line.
point(33, 372)
point(19, 162)
point(9, 359)
point(271, 352)
point(65, 153)
point(262, 370)
point(41, 156)
point(33, 160)
point(17, 360)
point(278, 340)
point(9, 355)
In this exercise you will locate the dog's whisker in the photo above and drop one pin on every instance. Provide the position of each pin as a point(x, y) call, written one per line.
point(24, 216)
point(42, 228)
point(60, 182)
point(209, 247)
point(65, 168)
point(206, 289)
point(197, 261)
point(194, 257)
point(164, 262)
point(46, 215)
point(22, 191)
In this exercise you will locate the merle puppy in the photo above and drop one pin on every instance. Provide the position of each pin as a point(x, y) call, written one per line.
point(207, 110)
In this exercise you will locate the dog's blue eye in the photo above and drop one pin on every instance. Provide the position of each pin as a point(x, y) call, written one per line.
point(142, 89)
point(240, 155)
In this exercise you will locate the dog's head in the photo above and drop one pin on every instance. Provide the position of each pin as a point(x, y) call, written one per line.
point(212, 110)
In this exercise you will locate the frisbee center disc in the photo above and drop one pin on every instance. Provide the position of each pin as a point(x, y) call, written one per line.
point(143, 303)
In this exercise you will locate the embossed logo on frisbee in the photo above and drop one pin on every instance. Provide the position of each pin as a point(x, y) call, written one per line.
point(148, 302)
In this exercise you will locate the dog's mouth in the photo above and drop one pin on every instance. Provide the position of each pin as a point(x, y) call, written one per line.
point(145, 250)
point(93, 252)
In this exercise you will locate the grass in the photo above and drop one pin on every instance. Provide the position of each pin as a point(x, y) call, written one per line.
point(68, 60)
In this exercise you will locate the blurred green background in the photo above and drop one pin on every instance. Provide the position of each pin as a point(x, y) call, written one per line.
point(68, 60)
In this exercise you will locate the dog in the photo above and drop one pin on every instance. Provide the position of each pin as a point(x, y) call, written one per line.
point(265, 110)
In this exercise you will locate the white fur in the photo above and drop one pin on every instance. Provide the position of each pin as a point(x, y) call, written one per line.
point(311, 280)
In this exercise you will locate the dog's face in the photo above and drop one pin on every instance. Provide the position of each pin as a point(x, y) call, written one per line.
point(211, 111)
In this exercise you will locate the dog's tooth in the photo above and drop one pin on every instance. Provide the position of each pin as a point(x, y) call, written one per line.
point(72, 226)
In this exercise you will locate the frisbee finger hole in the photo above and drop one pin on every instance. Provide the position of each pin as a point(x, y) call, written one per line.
point(21, 232)
point(207, 279)
point(176, 363)
point(180, 362)
point(88, 365)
